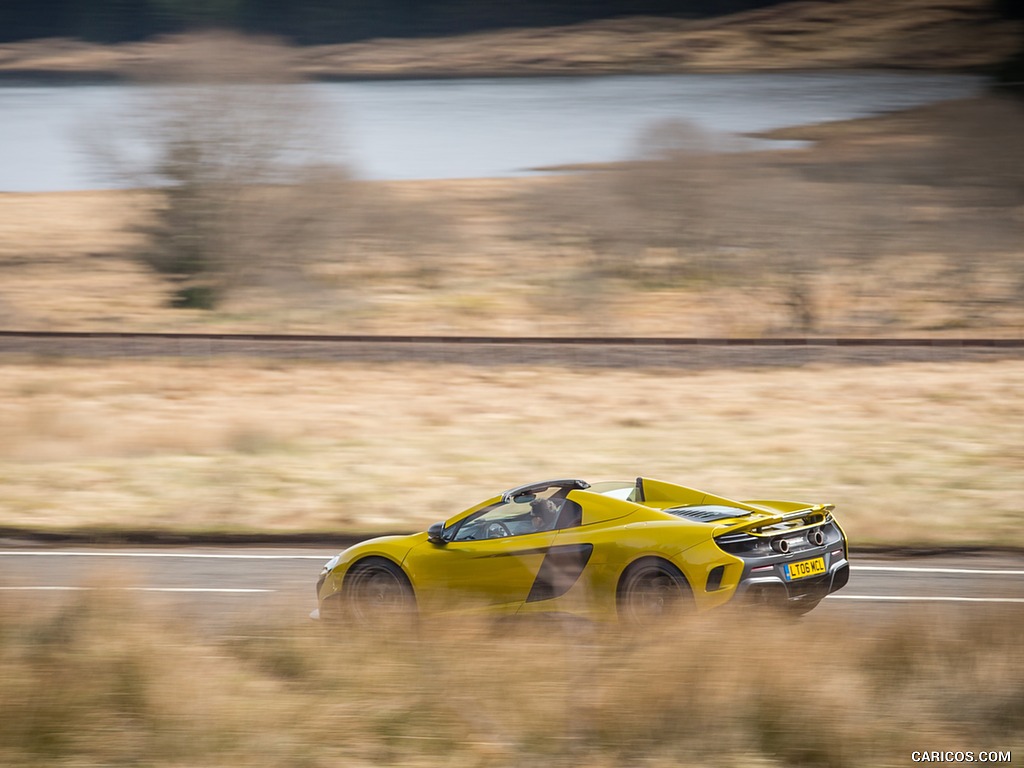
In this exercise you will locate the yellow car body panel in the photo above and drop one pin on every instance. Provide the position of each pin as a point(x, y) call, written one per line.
point(490, 574)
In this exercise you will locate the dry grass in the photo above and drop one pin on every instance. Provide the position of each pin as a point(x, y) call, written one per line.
point(105, 680)
point(905, 225)
point(913, 454)
point(504, 257)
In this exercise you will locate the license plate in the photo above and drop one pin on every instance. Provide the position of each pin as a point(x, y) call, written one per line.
point(805, 568)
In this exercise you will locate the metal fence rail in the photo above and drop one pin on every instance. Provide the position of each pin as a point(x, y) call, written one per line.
point(584, 352)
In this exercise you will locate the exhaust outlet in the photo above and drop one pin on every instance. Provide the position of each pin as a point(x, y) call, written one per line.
point(780, 545)
point(816, 537)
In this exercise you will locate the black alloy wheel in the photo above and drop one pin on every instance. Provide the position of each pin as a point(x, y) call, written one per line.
point(378, 592)
point(652, 591)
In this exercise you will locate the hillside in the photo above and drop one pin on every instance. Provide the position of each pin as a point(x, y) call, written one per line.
point(848, 34)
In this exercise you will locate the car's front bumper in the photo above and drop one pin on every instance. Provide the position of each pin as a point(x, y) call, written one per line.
point(315, 614)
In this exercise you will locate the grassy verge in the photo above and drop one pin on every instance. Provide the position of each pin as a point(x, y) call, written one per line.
point(103, 680)
point(913, 454)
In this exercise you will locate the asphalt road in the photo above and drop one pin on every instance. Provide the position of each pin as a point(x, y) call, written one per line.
point(219, 586)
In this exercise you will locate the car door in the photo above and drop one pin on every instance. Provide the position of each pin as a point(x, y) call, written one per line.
point(489, 562)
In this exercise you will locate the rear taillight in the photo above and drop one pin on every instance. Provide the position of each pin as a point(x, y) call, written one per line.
point(738, 543)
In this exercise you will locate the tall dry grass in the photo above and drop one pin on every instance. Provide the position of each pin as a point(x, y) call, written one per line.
point(914, 454)
point(106, 680)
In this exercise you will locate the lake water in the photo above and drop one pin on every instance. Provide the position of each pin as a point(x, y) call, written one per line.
point(416, 129)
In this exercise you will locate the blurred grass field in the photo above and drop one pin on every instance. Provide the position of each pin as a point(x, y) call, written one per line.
point(105, 679)
point(913, 454)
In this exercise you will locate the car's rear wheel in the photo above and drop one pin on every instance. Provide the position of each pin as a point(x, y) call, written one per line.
point(378, 592)
point(653, 590)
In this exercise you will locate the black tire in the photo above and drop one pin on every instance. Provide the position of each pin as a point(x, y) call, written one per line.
point(377, 592)
point(653, 590)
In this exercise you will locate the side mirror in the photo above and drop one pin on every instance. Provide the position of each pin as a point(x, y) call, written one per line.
point(435, 534)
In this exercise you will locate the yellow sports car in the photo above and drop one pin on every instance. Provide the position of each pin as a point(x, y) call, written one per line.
point(634, 551)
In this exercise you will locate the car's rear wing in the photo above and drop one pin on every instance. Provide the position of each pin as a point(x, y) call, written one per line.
point(805, 518)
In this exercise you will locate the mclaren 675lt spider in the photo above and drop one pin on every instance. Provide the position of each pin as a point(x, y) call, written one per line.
point(630, 551)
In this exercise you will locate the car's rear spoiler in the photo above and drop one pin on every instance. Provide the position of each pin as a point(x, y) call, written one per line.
point(808, 516)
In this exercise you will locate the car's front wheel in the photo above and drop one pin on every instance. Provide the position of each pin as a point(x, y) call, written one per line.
point(377, 592)
point(653, 590)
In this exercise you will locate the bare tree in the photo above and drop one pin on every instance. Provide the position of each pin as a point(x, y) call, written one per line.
point(692, 212)
point(231, 143)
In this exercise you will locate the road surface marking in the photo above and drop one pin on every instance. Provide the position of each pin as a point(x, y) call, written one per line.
point(913, 569)
point(224, 556)
point(928, 598)
point(197, 555)
point(201, 590)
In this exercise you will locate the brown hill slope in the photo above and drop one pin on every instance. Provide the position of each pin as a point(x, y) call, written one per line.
point(916, 34)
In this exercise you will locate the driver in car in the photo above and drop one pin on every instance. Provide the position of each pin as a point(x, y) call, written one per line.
point(543, 513)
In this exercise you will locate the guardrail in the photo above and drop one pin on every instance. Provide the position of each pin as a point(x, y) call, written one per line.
point(520, 340)
point(571, 351)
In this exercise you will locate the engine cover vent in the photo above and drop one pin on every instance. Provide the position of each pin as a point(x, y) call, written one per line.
point(708, 513)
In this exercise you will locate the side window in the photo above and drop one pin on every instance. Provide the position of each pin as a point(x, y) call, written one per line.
point(519, 517)
point(571, 515)
point(501, 520)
